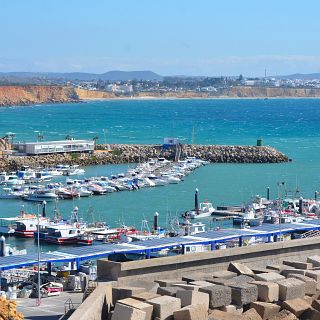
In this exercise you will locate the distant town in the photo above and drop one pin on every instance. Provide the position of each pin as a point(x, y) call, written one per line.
point(132, 83)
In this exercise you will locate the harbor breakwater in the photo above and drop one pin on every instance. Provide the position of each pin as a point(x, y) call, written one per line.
point(126, 153)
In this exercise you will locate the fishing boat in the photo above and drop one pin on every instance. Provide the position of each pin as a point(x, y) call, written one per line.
point(27, 227)
point(205, 209)
point(248, 218)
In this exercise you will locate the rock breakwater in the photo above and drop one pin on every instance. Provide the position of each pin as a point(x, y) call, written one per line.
point(125, 153)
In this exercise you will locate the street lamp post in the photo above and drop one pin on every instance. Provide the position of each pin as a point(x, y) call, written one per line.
point(38, 244)
point(280, 206)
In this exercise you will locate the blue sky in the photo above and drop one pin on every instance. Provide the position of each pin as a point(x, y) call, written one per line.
point(190, 37)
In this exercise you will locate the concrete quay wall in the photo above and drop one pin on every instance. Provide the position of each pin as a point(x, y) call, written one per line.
point(127, 153)
point(177, 266)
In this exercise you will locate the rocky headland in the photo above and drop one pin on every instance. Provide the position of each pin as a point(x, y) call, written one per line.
point(125, 153)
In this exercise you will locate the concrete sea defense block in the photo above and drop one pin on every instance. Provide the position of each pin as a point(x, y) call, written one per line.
point(221, 315)
point(164, 307)
point(195, 277)
point(149, 286)
point(193, 312)
point(269, 276)
point(315, 260)
point(123, 312)
point(218, 295)
point(234, 280)
point(251, 314)
point(284, 315)
point(310, 314)
point(189, 297)
point(257, 270)
point(168, 291)
point(119, 293)
point(311, 284)
point(201, 283)
point(147, 308)
point(275, 267)
point(316, 304)
point(244, 293)
point(240, 268)
point(314, 274)
point(285, 272)
point(265, 309)
point(291, 289)
point(187, 286)
point(267, 291)
point(296, 306)
point(169, 283)
point(224, 274)
point(298, 264)
point(144, 296)
point(231, 308)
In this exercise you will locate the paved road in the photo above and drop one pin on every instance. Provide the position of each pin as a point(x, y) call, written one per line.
point(51, 308)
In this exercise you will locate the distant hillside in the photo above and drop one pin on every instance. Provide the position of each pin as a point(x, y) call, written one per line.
point(309, 76)
point(110, 75)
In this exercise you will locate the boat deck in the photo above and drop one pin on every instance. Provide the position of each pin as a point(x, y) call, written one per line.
point(79, 254)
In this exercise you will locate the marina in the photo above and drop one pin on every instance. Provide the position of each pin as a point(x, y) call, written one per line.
point(213, 239)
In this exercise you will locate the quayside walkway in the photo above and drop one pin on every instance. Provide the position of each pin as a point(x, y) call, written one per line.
point(263, 234)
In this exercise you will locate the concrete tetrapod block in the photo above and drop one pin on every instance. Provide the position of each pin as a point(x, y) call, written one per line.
point(315, 260)
point(284, 315)
point(119, 293)
point(269, 276)
point(123, 312)
point(144, 296)
point(189, 297)
point(244, 293)
point(193, 312)
point(291, 289)
point(147, 308)
point(267, 291)
point(169, 282)
point(251, 314)
point(296, 306)
point(265, 309)
point(240, 268)
point(298, 264)
point(218, 295)
point(163, 307)
point(168, 291)
point(311, 284)
point(224, 274)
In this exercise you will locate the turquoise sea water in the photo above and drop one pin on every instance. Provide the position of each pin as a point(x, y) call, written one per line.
point(290, 125)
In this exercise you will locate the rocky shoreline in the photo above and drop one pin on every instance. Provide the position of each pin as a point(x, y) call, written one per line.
point(125, 153)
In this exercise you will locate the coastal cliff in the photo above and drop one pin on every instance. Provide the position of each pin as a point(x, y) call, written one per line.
point(264, 92)
point(26, 95)
point(125, 153)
